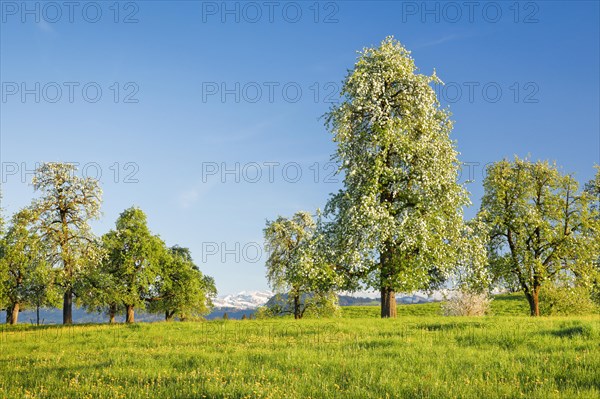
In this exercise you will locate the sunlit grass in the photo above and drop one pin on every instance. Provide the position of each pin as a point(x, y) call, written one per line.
point(502, 305)
point(414, 356)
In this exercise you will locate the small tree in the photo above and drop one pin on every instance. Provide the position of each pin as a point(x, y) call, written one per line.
point(3, 268)
point(471, 275)
point(294, 267)
point(134, 256)
point(100, 288)
point(313, 305)
point(24, 265)
point(63, 212)
point(593, 189)
point(540, 225)
point(181, 289)
point(41, 290)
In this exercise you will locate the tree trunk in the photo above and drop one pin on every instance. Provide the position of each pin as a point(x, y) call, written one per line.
point(68, 307)
point(37, 315)
point(130, 314)
point(12, 314)
point(297, 314)
point(388, 294)
point(388, 302)
point(534, 301)
point(112, 313)
point(169, 315)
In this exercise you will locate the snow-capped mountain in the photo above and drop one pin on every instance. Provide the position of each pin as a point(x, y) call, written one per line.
point(248, 300)
point(243, 300)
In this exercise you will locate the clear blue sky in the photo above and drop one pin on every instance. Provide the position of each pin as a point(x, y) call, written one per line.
point(180, 55)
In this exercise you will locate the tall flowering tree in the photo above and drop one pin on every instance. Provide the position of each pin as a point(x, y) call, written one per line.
point(398, 220)
point(67, 204)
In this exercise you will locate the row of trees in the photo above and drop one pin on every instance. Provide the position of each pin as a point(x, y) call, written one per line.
point(48, 252)
point(397, 225)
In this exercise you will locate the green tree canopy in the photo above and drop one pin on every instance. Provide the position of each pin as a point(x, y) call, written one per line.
point(134, 256)
point(181, 289)
point(100, 288)
point(27, 278)
point(541, 225)
point(294, 265)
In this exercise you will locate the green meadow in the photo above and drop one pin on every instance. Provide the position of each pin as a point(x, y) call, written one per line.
point(418, 355)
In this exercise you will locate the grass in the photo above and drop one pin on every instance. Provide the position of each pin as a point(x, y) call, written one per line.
point(502, 305)
point(417, 355)
point(421, 309)
point(510, 305)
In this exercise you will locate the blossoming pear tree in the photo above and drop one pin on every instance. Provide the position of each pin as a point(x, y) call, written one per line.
point(67, 204)
point(398, 220)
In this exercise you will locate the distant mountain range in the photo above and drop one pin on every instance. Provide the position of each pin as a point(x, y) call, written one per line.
point(250, 300)
point(246, 302)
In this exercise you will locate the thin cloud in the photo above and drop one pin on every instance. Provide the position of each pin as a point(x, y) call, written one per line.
point(444, 39)
point(190, 196)
point(45, 27)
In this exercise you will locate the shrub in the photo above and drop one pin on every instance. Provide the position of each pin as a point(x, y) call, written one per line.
point(264, 312)
point(565, 300)
point(467, 304)
point(312, 305)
